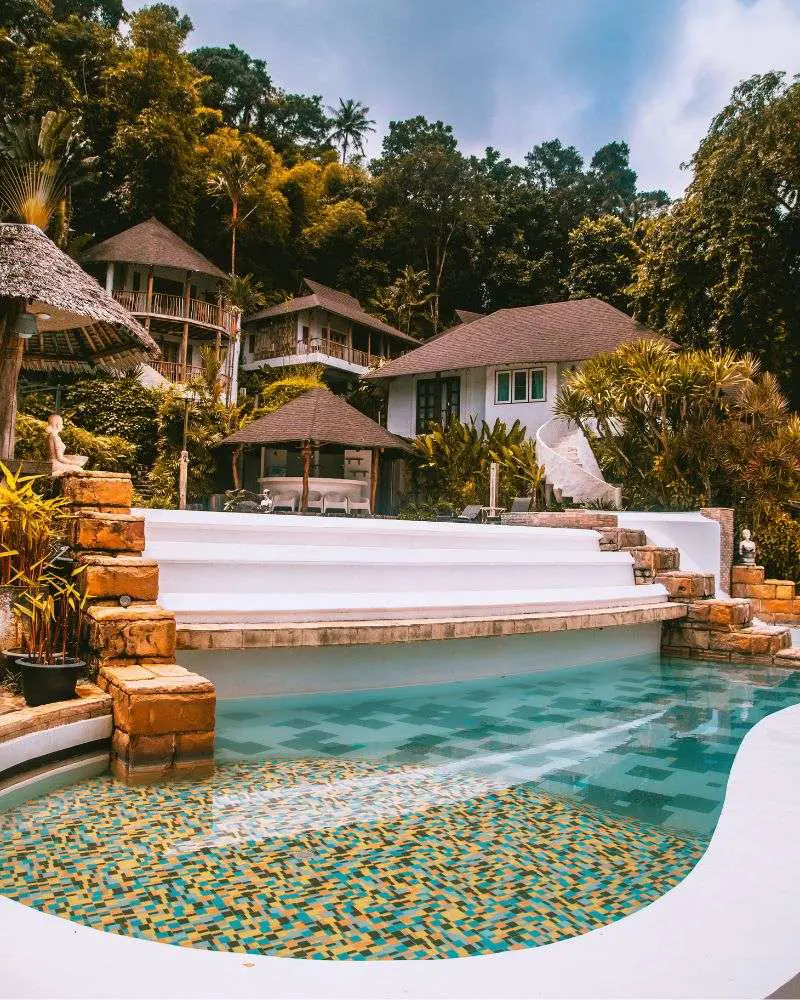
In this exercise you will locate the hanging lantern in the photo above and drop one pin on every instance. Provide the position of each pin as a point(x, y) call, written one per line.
point(26, 326)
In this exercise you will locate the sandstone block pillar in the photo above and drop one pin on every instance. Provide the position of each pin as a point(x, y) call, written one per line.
point(163, 714)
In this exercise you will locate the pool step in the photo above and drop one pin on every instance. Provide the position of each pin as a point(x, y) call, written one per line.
point(224, 607)
point(195, 527)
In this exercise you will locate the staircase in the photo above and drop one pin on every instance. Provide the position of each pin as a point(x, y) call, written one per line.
point(235, 568)
point(570, 468)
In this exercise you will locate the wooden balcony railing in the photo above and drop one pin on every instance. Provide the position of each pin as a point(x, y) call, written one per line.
point(268, 347)
point(174, 371)
point(208, 314)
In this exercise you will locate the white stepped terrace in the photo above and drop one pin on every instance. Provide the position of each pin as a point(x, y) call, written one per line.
point(223, 568)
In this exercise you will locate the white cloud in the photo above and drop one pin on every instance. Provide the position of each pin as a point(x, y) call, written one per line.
point(719, 43)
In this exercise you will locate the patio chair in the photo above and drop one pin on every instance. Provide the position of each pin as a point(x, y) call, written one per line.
point(521, 505)
point(285, 501)
point(471, 514)
point(336, 502)
point(315, 501)
point(362, 505)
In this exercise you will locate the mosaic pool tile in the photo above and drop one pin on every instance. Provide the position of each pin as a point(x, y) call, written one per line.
point(190, 864)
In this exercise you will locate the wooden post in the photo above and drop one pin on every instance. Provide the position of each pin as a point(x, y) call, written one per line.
point(110, 277)
point(373, 478)
point(184, 355)
point(307, 452)
point(149, 297)
point(11, 348)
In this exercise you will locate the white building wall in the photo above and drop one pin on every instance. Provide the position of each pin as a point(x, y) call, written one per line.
point(402, 408)
point(400, 415)
point(530, 415)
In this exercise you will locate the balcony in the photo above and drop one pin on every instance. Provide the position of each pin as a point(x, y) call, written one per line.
point(209, 315)
point(267, 348)
point(175, 372)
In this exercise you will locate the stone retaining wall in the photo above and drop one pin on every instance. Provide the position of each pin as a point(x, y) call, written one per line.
point(163, 713)
point(773, 600)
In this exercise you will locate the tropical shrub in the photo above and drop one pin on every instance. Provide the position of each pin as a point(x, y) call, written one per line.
point(701, 428)
point(452, 464)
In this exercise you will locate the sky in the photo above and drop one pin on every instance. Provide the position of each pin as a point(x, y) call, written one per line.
point(513, 73)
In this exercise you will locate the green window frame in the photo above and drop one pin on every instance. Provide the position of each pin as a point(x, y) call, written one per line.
point(538, 385)
point(502, 393)
point(521, 385)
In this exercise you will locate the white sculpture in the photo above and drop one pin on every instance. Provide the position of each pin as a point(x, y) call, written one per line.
point(266, 502)
point(747, 549)
point(57, 453)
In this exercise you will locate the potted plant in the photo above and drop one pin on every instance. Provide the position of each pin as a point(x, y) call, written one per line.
point(51, 609)
point(31, 545)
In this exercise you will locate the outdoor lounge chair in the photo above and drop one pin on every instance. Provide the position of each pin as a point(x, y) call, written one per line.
point(315, 501)
point(361, 504)
point(285, 501)
point(521, 505)
point(471, 514)
point(336, 502)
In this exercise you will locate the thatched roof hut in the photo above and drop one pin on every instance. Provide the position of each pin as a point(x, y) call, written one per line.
point(151, 243)
point(321, 417)
point(79, 324)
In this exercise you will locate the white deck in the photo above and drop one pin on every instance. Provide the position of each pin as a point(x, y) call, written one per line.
point(220, 568)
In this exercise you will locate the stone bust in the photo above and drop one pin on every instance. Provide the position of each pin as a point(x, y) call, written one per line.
point(56, 452)
point(747, 549)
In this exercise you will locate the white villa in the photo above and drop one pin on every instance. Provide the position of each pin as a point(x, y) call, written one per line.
point(325, 327)
point(509, 365)
point(177, 294)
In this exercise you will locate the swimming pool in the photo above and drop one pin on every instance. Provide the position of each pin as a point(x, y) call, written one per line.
point(411, 823)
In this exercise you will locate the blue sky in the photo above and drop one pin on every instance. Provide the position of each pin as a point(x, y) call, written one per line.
point(511, 73)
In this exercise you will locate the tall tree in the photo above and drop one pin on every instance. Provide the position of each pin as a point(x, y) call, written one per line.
point(721, 265)
point(350, 125)
point(604, 257)
point(235, 172)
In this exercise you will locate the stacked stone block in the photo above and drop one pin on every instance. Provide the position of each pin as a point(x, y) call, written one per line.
point(163, 713)
point(773, 600)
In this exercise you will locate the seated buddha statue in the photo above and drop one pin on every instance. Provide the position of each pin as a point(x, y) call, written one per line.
point(56, 451)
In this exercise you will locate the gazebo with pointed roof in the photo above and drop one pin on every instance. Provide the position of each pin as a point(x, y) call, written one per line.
point(320, 417)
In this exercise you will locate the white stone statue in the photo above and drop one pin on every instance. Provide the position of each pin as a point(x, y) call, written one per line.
point(266, 502)
point(57, 453)
point(747, 549)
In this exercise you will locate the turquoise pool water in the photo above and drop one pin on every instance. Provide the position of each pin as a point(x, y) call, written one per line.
point(409, 823)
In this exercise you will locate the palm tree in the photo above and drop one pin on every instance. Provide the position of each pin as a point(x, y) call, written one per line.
point(235, 179)
point(39, 162)
point(350, 125)
point(405, 300)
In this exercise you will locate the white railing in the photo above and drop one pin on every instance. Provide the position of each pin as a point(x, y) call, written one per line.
point(582, 480)
point(271, 347)
point(210, 314)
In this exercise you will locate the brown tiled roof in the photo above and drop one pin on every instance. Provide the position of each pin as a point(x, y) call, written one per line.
point(338, 303)
point(557, 331)
point(465, 316)
point(318, 415)
point(84, 325)
point(154, 244)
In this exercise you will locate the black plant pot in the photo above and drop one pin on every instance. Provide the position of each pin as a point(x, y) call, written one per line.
point(44, 683)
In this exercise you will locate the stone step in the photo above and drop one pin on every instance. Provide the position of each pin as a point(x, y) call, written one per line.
point(696, 639)
point(107, 577)
point(724, 613)
point(649, 560)
point(682, 585)
point(616, 539)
